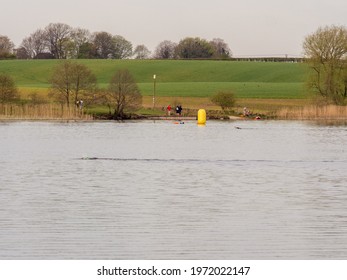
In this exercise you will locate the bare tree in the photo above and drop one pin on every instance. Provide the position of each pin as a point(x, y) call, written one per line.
point(25, 49)
point(79, 37)
point(123, 93)
point(6, 46)
point(35, 44)
point(326, 53)
point(21, 53)
point(165, 50)
point(220, 48)
point(103, 43)
point(122, 47)
point(141, 52)
point(71, 80)
point(57, 35)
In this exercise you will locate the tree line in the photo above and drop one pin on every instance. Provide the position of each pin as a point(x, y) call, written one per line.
point(325, 52)
point(61, 41)
point(74, 85)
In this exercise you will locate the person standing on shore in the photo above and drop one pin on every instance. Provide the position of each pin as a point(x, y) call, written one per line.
point(168, 110)
point(179, 110)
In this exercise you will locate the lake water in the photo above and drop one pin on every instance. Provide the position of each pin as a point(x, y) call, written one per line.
point(158, 190)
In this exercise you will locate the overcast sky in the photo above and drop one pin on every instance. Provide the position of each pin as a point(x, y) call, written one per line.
point(250, 27)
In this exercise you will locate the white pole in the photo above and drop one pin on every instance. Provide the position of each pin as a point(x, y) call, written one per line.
point(154, 79)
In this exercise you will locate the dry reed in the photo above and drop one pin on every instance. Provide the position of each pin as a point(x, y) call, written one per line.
point(42, 112)
point(314, 112)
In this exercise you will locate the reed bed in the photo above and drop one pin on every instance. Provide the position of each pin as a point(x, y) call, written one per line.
point(314, 112)
point(42, 112)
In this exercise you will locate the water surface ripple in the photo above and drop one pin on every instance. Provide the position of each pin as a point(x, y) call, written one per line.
point(155, 190)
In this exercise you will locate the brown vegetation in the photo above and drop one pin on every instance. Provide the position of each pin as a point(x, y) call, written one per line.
point(314, 112)
point(42, 111)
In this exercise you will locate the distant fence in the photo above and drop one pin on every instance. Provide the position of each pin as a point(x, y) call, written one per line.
point(270, 59)
point(255, 58)
point(42, 111)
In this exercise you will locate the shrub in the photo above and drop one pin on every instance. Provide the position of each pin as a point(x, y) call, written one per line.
point(224, 99)
point(8, 89)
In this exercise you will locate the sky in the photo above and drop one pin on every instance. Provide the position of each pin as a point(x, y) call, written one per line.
point(249, 27)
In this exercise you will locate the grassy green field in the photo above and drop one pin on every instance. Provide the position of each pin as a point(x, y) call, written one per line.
point(178, 78)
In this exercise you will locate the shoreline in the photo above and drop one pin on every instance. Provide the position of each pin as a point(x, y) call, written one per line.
point(161, 118)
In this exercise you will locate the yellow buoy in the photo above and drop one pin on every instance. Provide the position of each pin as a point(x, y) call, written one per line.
point(201, 116)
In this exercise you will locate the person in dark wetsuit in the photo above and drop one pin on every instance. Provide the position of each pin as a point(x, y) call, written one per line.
point(179, 107)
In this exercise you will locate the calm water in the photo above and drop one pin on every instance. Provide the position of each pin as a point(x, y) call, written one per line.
point(156, 190)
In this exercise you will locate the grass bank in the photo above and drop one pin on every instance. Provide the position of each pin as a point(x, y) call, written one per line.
point(264, 87)
point(180, 78)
